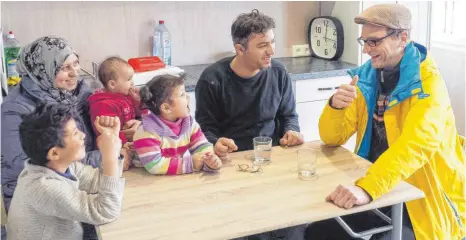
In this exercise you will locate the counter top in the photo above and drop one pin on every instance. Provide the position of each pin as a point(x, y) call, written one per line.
point(301, 68)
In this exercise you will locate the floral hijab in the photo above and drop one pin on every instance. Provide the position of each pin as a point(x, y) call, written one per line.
point(41, 60)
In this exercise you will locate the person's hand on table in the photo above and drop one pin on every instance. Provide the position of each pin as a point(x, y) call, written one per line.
point(127, 154)
point(212, 161)
point(348, 196)
point(292, 138)
point(223, 147)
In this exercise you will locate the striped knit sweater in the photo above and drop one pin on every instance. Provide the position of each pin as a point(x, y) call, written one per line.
point(161, 152)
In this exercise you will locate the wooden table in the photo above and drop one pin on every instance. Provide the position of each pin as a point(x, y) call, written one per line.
point(232, 204)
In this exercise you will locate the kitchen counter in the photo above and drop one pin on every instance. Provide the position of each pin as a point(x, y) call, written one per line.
point(301, 68)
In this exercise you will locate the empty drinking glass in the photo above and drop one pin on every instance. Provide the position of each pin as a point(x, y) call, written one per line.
point(307, 163)
point(262, 150)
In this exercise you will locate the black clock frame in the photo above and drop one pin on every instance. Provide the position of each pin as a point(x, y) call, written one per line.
point(340, 37)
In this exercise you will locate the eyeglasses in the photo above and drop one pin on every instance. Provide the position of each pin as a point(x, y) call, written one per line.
point(247, 168)
point(372, 42)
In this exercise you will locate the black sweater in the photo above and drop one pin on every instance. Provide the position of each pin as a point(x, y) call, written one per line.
point(241, 109)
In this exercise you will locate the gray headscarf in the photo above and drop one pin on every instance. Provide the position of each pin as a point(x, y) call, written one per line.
point(41, 60)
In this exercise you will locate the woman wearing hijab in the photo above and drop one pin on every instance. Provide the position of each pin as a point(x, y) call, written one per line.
point(49, 74)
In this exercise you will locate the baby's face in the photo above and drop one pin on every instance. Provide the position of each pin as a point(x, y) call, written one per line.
point(124, 80)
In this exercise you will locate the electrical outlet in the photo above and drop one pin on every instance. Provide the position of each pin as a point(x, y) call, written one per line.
point(300, 50)
point(307, 51)
point(297, 50)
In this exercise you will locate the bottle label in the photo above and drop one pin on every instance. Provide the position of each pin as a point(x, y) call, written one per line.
point(166, 39)
point(11, 68)
point(166, 48)
point(11, 54)
point(156, 45)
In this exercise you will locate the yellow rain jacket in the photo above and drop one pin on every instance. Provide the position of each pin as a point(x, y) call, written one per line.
point(425, 149)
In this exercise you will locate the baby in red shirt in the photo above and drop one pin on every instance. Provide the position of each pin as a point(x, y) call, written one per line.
point(119, 98)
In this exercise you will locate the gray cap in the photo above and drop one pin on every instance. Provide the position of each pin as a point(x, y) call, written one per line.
point(394, 16)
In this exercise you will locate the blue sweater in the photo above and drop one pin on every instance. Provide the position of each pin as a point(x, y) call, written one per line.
point(23, 99)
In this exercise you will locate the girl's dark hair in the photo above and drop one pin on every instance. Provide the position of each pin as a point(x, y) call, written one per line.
point(158, 90)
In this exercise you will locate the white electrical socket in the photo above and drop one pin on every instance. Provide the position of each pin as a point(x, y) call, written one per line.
point(297, 50)
point(300, 50)
point(307, 51)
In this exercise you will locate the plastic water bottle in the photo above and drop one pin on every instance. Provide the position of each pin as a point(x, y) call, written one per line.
point(11, 55)
point(162, 44)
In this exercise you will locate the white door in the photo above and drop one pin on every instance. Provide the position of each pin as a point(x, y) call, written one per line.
point(309, 114)
point(420, 21)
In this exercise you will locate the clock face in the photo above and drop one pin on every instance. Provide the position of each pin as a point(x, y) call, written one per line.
point(324, 38)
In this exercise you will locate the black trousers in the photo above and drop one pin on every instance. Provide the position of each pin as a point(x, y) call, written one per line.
point(89, 232)
point(331, 230)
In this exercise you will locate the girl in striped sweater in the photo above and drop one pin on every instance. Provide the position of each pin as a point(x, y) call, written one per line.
point(170, 141)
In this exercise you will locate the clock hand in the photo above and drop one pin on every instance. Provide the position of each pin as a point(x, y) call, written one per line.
point(326, 27)
point(329, 39)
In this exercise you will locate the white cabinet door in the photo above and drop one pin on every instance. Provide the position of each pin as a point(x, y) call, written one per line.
point(319, 89)
point(309, 114)
point(192, 103)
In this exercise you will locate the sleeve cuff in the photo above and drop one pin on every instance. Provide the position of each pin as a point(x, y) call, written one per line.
point(330, 104)
point(111, 183)
point(369, 187)
point(122, 138)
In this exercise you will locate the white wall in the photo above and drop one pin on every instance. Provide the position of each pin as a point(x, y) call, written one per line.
point(345, 12)
point(200, 30)
point(420, 13)
point(451, 61)
point(420, 23)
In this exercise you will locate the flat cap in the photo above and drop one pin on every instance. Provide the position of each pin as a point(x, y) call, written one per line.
point(394, 16)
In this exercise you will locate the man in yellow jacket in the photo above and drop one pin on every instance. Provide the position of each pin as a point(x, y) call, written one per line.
point(398, 105)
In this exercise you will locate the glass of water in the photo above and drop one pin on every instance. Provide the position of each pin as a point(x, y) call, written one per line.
point(307, 163)
point(262, 150)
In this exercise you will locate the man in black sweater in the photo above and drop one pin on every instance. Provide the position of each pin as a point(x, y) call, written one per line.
point(248, 95)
